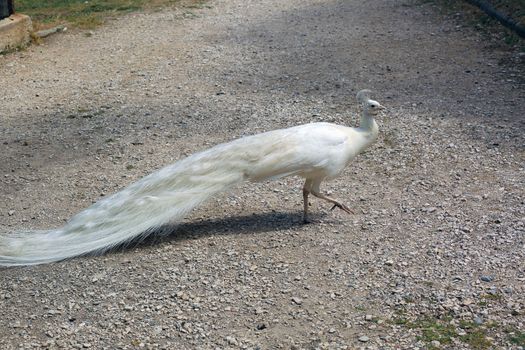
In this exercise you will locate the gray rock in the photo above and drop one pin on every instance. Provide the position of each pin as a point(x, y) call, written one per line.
point(487, 278)
point(297, 300)
point(478, 320)
point(363, 339)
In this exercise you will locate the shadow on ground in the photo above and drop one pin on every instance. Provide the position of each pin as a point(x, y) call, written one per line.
point(235, 225)
point(245, 224)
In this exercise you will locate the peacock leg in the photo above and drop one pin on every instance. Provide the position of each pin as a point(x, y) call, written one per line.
point(306, 191)
point(315, 190)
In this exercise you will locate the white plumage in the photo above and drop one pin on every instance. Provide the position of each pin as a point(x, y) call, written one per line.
point(316, 152)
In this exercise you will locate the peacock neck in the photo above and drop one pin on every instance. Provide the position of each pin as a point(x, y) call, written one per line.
point(368, 126)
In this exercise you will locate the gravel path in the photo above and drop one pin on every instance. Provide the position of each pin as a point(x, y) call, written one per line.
point(434, 257)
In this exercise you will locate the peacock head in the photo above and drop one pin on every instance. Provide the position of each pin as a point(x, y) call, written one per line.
point(370, 106)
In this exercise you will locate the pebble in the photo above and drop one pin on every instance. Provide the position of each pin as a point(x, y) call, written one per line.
point(297, 300)
point(363, 338)
point(232, 341)
point(261, 326)
point(467, 302)
point(487, 278)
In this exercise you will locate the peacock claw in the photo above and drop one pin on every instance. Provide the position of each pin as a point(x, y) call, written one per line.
point(343, 207)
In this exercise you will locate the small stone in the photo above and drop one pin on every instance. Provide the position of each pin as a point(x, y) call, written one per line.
point(435, 343)
point(467, 302)
point(487, 278)
point(493, 291)
point(369, 317)
point(478, 320)
point(363, 339)
point(260, 326)
point(389, 262)
point(297, 300)
point(232, 340)
point(11, 212)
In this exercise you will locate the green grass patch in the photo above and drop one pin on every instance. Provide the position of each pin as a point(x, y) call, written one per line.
point(492, 297)
point(434, 329)
point(476, 335)
point(517, 338)
point(88, 14)
point(399, 321)
point(431, 329)
point(477, 339)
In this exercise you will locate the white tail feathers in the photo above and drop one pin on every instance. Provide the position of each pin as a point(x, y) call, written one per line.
point(165, 196)
point(162, 197)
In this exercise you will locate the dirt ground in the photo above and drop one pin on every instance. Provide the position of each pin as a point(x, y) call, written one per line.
point(433, 258)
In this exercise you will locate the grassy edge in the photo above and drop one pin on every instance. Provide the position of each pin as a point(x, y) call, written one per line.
point(441, 330)
point(93, 13)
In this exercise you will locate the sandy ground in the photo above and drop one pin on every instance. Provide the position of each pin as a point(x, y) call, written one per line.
point(438, 238)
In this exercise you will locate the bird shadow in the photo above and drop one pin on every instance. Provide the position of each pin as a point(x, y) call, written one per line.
point(234, 225)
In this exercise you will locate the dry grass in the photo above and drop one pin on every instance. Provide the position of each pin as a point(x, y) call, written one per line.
point(88, 14)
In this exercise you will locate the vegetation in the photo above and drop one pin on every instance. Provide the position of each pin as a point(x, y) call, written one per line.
point(441, 330)
point(87, 13)
point(433, 329)
point(517, 338)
